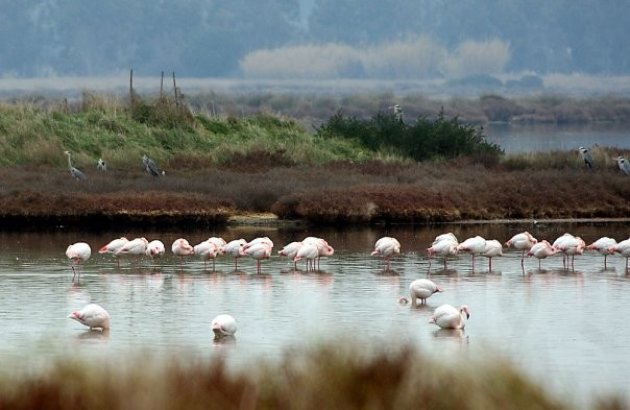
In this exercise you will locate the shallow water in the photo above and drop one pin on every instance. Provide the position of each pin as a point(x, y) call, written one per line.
point(565, 328)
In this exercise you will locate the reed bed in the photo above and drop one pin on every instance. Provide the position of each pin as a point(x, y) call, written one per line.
point(328, 377)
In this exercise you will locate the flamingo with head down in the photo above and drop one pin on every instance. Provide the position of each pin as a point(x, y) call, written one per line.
point(93, 316)
point(541, 250)
point(422, 289)
point(235, 249)
point(208, 250)
point(386, 247)
point(622, 248)
point(290, 251)
point(603, 245)
point(113, 246)
point(444, 245)
point(223, 326)
point(523, 242)
point(450, 317)
point(78, 253)
point(182, 248)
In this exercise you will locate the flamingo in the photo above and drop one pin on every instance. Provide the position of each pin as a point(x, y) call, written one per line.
point(422, 289)
point(113, 247)
point(493, 248)
point(181, 248)
point(263, 239)
point(208, 250)
point(259, 251)
point(450, 317)
point(474, 246)
point(309, 252)
point(290, 250)
point(569, 245)
point(78, 253)
point(523, 242)
point(541, 250)
point(323, 248)
point(222, 326)
point(443, 247)
point(386, 247)
point(220, 242)
point(235, 249)
point(603, 245)
point(93, 316)
point(155, 249)
point(135, 247)
point(622, 248)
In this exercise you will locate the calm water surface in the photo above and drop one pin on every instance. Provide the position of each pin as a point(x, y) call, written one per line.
point(567, 329)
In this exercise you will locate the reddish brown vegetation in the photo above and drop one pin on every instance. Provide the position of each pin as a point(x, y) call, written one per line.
point(368, 192)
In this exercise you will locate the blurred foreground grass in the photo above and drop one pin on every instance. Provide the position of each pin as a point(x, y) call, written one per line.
point(325, 377)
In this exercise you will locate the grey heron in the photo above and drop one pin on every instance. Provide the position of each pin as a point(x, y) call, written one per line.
point(101, 165)
point(74, 171)
point(151, 167)
point(623, 164)
point(586, 157)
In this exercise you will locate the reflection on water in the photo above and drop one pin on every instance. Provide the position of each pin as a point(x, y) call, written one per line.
point(554, 323)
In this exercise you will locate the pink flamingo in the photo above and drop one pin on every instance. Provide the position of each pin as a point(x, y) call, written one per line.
point(622, 248)
point(541, 250)
point(444, 247)
point(223, 326)
point(182, 248)
point(259, 251)
point(235, 249)
point(474, 246)
point(136, 247)
point(309, 252)
point(93, 316)
point(523, 242)
point(569, 245)
point(450, 317)
point(422, 289)
point(603, 245)
point(155, 249)
point(208, 250)
point(78, 253)
point(386, 247)
point(290, 250)
point(113, 247)
point(323, 248)
point(493, 248)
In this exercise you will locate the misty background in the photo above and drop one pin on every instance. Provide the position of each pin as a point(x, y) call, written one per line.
point(314, 39)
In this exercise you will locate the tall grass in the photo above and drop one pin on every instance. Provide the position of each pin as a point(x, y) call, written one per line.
point(320, 378)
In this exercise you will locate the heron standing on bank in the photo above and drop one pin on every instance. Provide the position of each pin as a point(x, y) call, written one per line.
point(151, 167)
point(623, 164)
point(586, 157)
point(74, 171)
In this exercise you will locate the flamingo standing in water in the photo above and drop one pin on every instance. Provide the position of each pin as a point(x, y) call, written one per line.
point(474, 246)
point(541, 250)
point(136, 247)
point(386, 247)
point(603, 245)
point(450, 317)
point(523, 242)
point(78, 253)
point(569, 245)
point(309, 252)
point(155, 249)
point(235, 249)
point(622, 248)
point(422, 289)
point(113, 247)
point(323, 248)
point(493, 248)
point(258, 251)
point(181, 248)
point(93, 316)
point(290, 250)
point(208, 250)
point(444, 245)
point(223, 326)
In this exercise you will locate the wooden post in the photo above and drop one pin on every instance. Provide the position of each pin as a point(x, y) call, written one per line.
point(175, 90)
point(131, 87)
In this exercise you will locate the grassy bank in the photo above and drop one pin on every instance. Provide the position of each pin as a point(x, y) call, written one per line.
point(221, 166)
point(321, 378)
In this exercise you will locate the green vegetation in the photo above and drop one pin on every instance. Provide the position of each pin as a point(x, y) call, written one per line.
point(328, 377)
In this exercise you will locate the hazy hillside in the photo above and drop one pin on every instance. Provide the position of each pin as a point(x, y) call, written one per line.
point(360, 39)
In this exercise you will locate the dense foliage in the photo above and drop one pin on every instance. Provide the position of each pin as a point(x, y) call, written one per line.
point(421, 140)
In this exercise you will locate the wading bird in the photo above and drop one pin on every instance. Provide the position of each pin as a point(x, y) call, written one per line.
point(151, 167)
point(74, 171)
point(290, 250)
point(223, 326)
point(523, 242)
point(622, 248)
point(422, 289)
point(208, 250)
point(93, 316)
point(386, 247)
point(586, 157)
point(569, 245)
point(309, 252)
point(450, 317)
point(258, 251)
point(323, 248)
point(474, 246)
point(623, 164)
point(101, 165)
point(541, 250)
point(493, 248)
point(444, 245)
point(155, 249)
point(113, 247)
point(136, 247)
point(78, 253)
point(603, 245)
point(235, 249)
point(182, 248)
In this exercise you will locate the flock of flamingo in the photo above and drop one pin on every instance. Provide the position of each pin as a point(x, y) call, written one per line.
point(312, 248)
